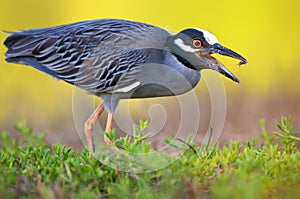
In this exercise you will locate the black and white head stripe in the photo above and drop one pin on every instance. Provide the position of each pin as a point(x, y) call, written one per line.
point(184, 39)
point(209, 37)
point(180, 43)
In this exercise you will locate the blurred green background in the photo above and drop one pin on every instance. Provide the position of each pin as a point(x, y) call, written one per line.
point(265, 32)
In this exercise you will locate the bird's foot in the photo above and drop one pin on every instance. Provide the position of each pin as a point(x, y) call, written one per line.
point(108, 141)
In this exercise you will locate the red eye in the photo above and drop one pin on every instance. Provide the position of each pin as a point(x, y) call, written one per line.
point(197, 43)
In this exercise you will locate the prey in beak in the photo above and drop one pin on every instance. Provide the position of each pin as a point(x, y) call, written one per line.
point(217, 65)
point(197, 47)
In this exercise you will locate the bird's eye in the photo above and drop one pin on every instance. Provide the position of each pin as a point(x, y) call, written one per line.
point(197, 43)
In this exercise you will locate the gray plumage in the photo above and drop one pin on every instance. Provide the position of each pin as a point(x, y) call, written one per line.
point(111, 58)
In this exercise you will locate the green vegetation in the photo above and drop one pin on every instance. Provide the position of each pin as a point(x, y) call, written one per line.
point(261, 168)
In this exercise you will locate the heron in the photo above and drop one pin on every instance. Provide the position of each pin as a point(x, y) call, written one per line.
point(118, 59)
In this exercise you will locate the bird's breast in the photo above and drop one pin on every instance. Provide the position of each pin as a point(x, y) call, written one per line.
point(158, 80)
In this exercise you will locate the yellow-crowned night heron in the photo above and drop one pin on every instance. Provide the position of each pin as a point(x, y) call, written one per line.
point(119, 59)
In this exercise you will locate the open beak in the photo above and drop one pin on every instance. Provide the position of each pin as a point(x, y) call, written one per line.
point(218, 66)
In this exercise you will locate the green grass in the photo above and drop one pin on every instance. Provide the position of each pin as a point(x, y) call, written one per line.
point(268, 167)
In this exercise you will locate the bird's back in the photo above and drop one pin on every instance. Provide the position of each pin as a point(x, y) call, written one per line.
point(96, 55)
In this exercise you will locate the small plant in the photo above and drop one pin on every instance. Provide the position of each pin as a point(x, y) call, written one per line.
point(136, 143)
point(286, 135)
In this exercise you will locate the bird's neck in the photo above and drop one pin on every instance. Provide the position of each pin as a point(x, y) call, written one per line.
point(179, 54)
point(184, 61)
point(190, 74)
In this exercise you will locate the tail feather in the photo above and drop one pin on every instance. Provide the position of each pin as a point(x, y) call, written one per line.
point(13, 38)
point(19, 50)
point(20, 45)
point(32, 62)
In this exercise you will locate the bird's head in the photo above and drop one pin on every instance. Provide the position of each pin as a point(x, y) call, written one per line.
point(193, 47)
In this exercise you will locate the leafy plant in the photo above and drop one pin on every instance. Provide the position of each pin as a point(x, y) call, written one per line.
point(136, 143)
point(286, 135)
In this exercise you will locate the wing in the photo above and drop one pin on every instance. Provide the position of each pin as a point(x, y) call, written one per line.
point(98, 56)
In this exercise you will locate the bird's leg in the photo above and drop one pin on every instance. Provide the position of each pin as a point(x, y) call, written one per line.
point(108, 128)
point(89, 126)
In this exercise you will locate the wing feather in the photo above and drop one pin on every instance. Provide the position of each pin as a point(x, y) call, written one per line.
point(98, 56)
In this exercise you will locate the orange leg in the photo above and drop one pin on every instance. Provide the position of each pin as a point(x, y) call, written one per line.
point(89, 126)
point(108, 128)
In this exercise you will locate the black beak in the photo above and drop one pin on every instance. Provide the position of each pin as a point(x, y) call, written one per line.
point(219, 49)
point(218, 66)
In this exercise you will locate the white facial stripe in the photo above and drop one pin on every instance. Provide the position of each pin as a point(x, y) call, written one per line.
point(184, 47)
point(127, 88)
point(210, 38)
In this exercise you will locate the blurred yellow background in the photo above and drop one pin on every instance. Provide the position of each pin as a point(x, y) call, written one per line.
point(265, 32)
